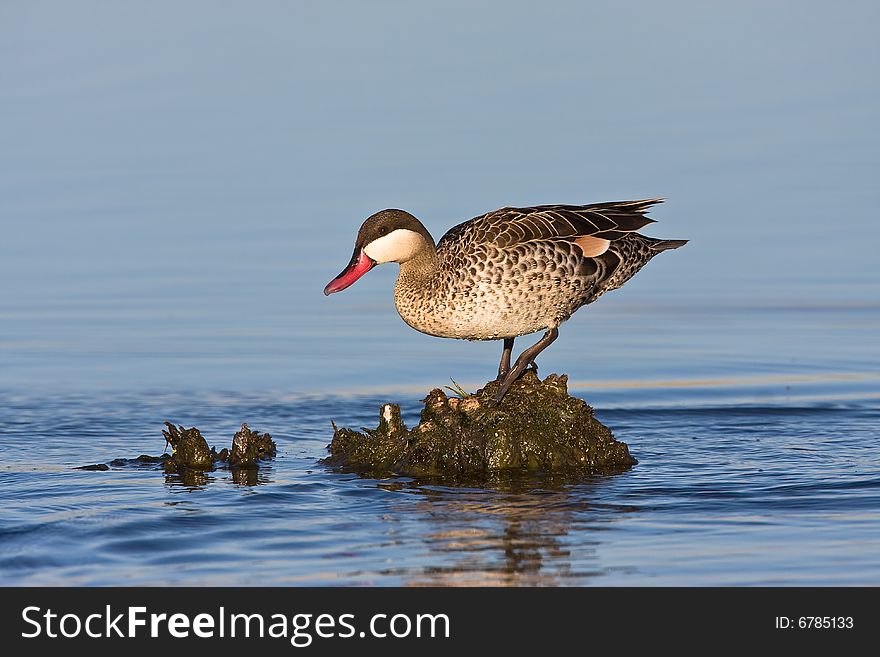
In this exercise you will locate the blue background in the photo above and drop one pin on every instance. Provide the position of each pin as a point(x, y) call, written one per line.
point(178, 181)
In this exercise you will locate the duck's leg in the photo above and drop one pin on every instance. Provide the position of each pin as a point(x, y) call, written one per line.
point(504, 367)
point(525, 358)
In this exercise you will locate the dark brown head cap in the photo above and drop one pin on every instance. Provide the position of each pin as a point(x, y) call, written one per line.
point(387, 221)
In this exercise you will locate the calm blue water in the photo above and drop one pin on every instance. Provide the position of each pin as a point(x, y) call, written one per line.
point(727, 491)
point(178, 183)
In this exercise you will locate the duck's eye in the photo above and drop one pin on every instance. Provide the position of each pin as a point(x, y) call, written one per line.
point(383, 230)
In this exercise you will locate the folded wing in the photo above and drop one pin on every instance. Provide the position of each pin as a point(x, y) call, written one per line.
point(591, 227)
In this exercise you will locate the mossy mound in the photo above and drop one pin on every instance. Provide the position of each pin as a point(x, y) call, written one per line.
point(538, 427)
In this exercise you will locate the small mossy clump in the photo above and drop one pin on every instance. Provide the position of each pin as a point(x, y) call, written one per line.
point(189, 449)
point(190, 452)
point(249, 448)
point(538, 427)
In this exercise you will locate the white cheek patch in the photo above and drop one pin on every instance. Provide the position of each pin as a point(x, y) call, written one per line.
point(397, 246)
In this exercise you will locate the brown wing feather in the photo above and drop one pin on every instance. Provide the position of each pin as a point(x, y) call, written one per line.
point(508, 226)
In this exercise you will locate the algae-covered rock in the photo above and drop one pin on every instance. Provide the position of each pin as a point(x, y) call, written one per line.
point(189, 449)
point(538, 427)
point(190, 455)
point(249, 447)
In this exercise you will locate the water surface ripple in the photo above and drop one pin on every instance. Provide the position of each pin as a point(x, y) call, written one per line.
point(725, 493)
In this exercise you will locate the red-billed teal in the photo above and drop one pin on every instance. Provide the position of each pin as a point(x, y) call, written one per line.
point(507, 273)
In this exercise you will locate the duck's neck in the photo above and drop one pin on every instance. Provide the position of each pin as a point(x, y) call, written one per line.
point(418, 287)
point(420, 270)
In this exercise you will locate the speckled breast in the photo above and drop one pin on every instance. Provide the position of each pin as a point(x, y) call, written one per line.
point(487, 293)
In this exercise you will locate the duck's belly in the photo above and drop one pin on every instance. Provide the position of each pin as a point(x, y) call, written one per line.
point(487, 310)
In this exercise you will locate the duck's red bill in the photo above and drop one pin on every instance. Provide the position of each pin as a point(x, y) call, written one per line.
point(360, 264)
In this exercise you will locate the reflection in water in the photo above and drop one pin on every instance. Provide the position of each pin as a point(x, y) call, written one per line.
point(197, 479)
point(518, 535)
point(193, 479)
point(250, 476)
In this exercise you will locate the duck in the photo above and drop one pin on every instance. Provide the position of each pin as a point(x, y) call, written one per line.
point(507, 273)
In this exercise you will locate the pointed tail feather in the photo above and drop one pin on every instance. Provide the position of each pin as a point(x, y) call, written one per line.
point(663, 245)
